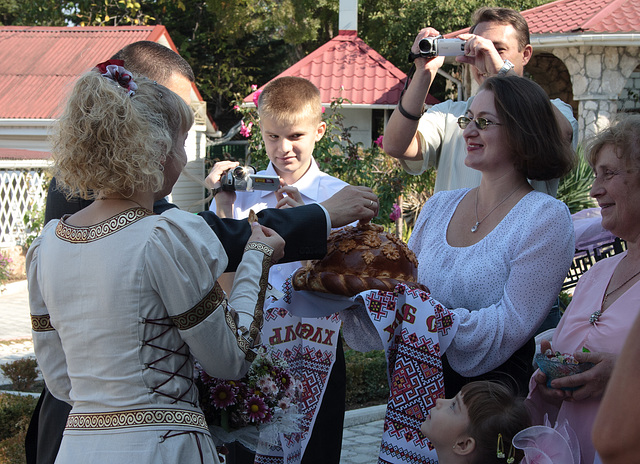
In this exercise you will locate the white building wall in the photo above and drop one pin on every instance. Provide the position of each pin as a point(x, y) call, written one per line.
point(359, 119)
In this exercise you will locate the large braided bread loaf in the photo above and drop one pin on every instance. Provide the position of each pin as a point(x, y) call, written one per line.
point(358, 259)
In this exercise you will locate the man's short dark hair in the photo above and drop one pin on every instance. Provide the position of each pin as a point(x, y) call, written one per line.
point(154, 61)
point(505, 16)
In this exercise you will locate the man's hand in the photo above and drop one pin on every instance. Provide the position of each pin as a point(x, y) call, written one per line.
point(224, 200)
point(351, 204)
point(213, 179)
point(400, 135)
point(482, 54)
point(426, 64)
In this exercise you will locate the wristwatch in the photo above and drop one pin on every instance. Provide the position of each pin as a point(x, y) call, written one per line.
point(506, 67)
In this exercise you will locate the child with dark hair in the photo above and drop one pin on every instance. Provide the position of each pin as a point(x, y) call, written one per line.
point(477, 426)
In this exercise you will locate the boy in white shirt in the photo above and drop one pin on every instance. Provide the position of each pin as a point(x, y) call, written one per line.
point(290, 112)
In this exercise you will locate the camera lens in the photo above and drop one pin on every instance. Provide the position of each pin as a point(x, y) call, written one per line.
point(426, 45)
point(238, 172)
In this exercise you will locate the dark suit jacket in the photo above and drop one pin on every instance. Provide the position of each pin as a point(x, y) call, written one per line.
point(303, 228)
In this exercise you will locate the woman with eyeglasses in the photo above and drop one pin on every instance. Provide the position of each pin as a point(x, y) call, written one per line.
point(498, 254)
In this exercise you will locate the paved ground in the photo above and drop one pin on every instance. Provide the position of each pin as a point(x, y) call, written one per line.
point(362, 427)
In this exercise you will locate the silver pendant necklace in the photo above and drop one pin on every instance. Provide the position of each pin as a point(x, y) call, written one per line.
point(478, 222)
point(595, 316)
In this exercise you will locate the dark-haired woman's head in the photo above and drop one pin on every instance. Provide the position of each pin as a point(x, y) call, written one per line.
point(528, 124)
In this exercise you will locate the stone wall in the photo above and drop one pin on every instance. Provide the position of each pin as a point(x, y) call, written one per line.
point(552, 75)
point(599, 75)
point(630, 96)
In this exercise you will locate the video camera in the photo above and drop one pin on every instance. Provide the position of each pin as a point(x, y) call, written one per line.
point(245, 179)
point(435, 46)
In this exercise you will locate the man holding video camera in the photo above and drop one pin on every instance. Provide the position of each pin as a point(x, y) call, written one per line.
point(498, 44)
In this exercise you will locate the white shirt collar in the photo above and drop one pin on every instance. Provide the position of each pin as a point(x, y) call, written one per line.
point(308, 184)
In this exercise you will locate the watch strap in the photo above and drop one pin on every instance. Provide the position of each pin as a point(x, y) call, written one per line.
point(506, 67)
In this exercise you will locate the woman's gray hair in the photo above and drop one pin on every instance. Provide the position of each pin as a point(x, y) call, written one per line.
point(624, 134)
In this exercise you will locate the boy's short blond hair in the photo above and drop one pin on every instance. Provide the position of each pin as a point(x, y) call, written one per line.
point(290, 100)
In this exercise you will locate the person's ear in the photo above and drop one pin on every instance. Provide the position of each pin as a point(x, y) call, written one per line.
point(465, 446)
point(322, 128)
point(526, 54)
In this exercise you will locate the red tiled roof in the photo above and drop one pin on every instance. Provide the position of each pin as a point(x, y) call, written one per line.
point(564, 16)
point(17, 154)
point(347, 67)
point(584, 15)
point(39, 64)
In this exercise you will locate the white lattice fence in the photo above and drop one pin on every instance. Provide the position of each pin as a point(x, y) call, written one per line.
point(22, 189)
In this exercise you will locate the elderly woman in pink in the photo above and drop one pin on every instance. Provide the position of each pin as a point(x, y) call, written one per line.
point(607, 298)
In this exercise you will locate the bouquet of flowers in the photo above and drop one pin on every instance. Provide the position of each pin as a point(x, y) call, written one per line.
point(264, 400)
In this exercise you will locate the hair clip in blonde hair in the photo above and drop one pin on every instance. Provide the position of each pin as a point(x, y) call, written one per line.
point(114, 70)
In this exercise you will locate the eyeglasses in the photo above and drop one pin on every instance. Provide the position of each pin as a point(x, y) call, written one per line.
point(481, 123)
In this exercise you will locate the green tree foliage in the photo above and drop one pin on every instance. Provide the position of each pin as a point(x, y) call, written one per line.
point(390, 26)
point(232, 44)
point(574, 188)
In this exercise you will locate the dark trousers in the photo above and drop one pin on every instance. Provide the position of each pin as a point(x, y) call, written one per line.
point(325, 444)
point(45, 429)
point(514, 373)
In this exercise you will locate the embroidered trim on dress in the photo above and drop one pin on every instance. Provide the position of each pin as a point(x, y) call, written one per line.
point(258, 314)
point(103, 229)
point(248, 339)
point(136, 418)
point(41, 323)
point(259, 246)
point(201, 310)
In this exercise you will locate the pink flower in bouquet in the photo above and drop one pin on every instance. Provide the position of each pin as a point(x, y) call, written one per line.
point(378, 141)
point(396, 213)
point(223, 395)
point(267, 386)
point(245, 129)
point(284, 380)
point(295, 387)
point(284, 403)
point(257, 410)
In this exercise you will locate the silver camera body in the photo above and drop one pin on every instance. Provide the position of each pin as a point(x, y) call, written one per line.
point(245, 179)
point(434, 46)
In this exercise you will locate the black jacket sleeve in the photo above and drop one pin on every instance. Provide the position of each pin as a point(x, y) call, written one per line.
point(304, 230)
point(57, 204)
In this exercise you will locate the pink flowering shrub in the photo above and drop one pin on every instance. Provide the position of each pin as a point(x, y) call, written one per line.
point(396, 213)
point(252, 400)
point(5, 268)
point(245, 129)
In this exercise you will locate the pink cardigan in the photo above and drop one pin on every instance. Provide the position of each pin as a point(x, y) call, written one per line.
point(574, 332)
